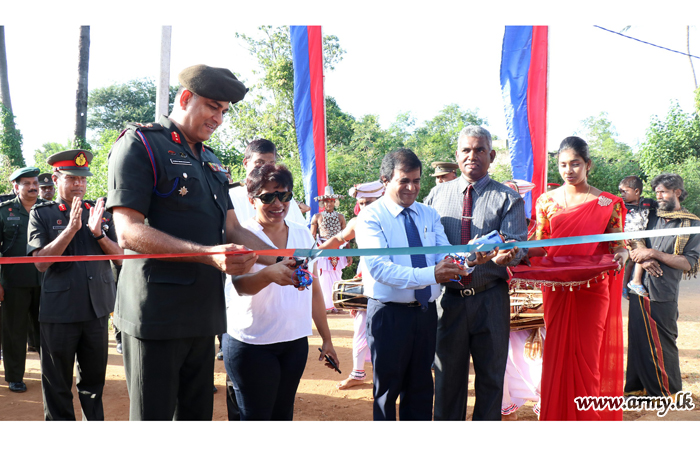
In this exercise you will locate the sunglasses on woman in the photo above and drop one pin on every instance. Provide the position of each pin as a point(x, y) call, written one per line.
point(269, 197)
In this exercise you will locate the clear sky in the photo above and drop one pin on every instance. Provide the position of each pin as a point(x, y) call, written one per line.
point(414, 58)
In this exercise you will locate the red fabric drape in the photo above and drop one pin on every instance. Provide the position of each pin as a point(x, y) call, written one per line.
point(583, 353)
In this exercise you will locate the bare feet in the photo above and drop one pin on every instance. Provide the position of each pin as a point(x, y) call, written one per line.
point(348, 383)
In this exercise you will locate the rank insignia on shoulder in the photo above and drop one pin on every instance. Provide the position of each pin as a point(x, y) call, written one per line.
point(176, 137)
point(145, 126)
point(62, 207)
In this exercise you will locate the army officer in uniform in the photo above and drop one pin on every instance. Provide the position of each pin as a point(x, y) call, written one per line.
point(77, 297)
point(46, 187)
point(170, 310)
point(20, 284)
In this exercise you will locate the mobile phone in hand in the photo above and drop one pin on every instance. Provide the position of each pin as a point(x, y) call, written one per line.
point(332, 363)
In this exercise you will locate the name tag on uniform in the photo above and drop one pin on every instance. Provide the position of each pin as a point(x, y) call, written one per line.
point(59, 227)
point(13, 218)
point(180, 162)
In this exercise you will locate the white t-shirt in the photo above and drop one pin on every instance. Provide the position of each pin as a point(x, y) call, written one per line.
point(244, 210)
point(276, 313)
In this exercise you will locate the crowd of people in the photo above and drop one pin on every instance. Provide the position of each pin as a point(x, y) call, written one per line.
point(427, 315)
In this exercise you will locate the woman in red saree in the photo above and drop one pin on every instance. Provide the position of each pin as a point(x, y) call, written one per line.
point(584, 349)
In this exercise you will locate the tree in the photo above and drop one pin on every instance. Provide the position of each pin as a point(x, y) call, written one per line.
point(672, 145)
point(612, 160)
point(671, 140)
point(437, 139)
point(268, 110)
point(111, 107)
point(97, 183)
point(10, 137)
point(81, 93)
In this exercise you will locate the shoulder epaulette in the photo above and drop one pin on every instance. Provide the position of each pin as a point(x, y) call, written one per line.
point(41, 205)
point(7, 202)
point(144, 126)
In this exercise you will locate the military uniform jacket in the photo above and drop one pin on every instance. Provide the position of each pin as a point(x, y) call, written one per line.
point(14, 220)
point(183, 197)
point(72, 291)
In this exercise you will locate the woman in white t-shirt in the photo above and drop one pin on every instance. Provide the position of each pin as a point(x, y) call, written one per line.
point(266, 346)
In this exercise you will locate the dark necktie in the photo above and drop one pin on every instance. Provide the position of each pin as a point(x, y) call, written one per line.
point(422, 295)
point(467, 224)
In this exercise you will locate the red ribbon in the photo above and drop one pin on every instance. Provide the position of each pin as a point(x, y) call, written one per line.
point(55, 259)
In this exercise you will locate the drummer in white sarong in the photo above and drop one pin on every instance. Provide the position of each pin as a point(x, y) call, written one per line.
point(325, 225)
point(365, 194)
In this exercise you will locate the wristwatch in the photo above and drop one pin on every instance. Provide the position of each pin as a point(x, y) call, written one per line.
point(100, 236)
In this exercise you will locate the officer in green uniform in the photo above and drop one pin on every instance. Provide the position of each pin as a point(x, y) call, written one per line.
point(76, 297)
point(46, 187)
point(20, 284)
point(170, 310)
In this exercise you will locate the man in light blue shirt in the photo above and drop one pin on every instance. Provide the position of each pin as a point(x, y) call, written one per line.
point(401, 313)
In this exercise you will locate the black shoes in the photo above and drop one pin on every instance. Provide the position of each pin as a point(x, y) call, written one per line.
point(17, 386)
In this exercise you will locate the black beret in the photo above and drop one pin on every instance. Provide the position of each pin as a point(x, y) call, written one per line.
point(213, 82)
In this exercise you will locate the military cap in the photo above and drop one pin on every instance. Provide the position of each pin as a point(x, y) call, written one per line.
point(45, 179)
point(442, 168)
point(24, 172)
point(213, 82)
point(72, 162)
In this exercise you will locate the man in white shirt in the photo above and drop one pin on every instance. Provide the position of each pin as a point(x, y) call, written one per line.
point(259, 152)
point(401, 290)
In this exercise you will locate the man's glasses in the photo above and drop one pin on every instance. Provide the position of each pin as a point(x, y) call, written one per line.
point(269, 197)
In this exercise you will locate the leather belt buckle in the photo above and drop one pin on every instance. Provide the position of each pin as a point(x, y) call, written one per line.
point(467, 292)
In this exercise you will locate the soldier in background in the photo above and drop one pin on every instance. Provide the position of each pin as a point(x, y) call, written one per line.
point(46, 186)
point(444, 171)
point(20, 284)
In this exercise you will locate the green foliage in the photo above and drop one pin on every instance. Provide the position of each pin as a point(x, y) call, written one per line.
point(437, 139)
point(46, 150)
point(671, 140)
point(97, 183)
point(612, 160)
point(688, 170)
point(672, 145)
point(268, 110)
point(111, 107)
point(10, 138)
point(6, 169)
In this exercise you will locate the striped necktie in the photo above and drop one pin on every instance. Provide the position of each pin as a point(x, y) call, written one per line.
point(467, 224)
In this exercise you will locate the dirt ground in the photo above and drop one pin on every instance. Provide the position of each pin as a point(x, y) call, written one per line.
point(318, 398)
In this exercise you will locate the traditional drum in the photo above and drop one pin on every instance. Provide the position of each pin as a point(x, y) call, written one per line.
point(349, 294)
point(526, 310)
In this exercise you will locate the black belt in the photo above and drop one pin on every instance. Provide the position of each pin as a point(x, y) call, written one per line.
point(468, 292)
point(408, 305)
